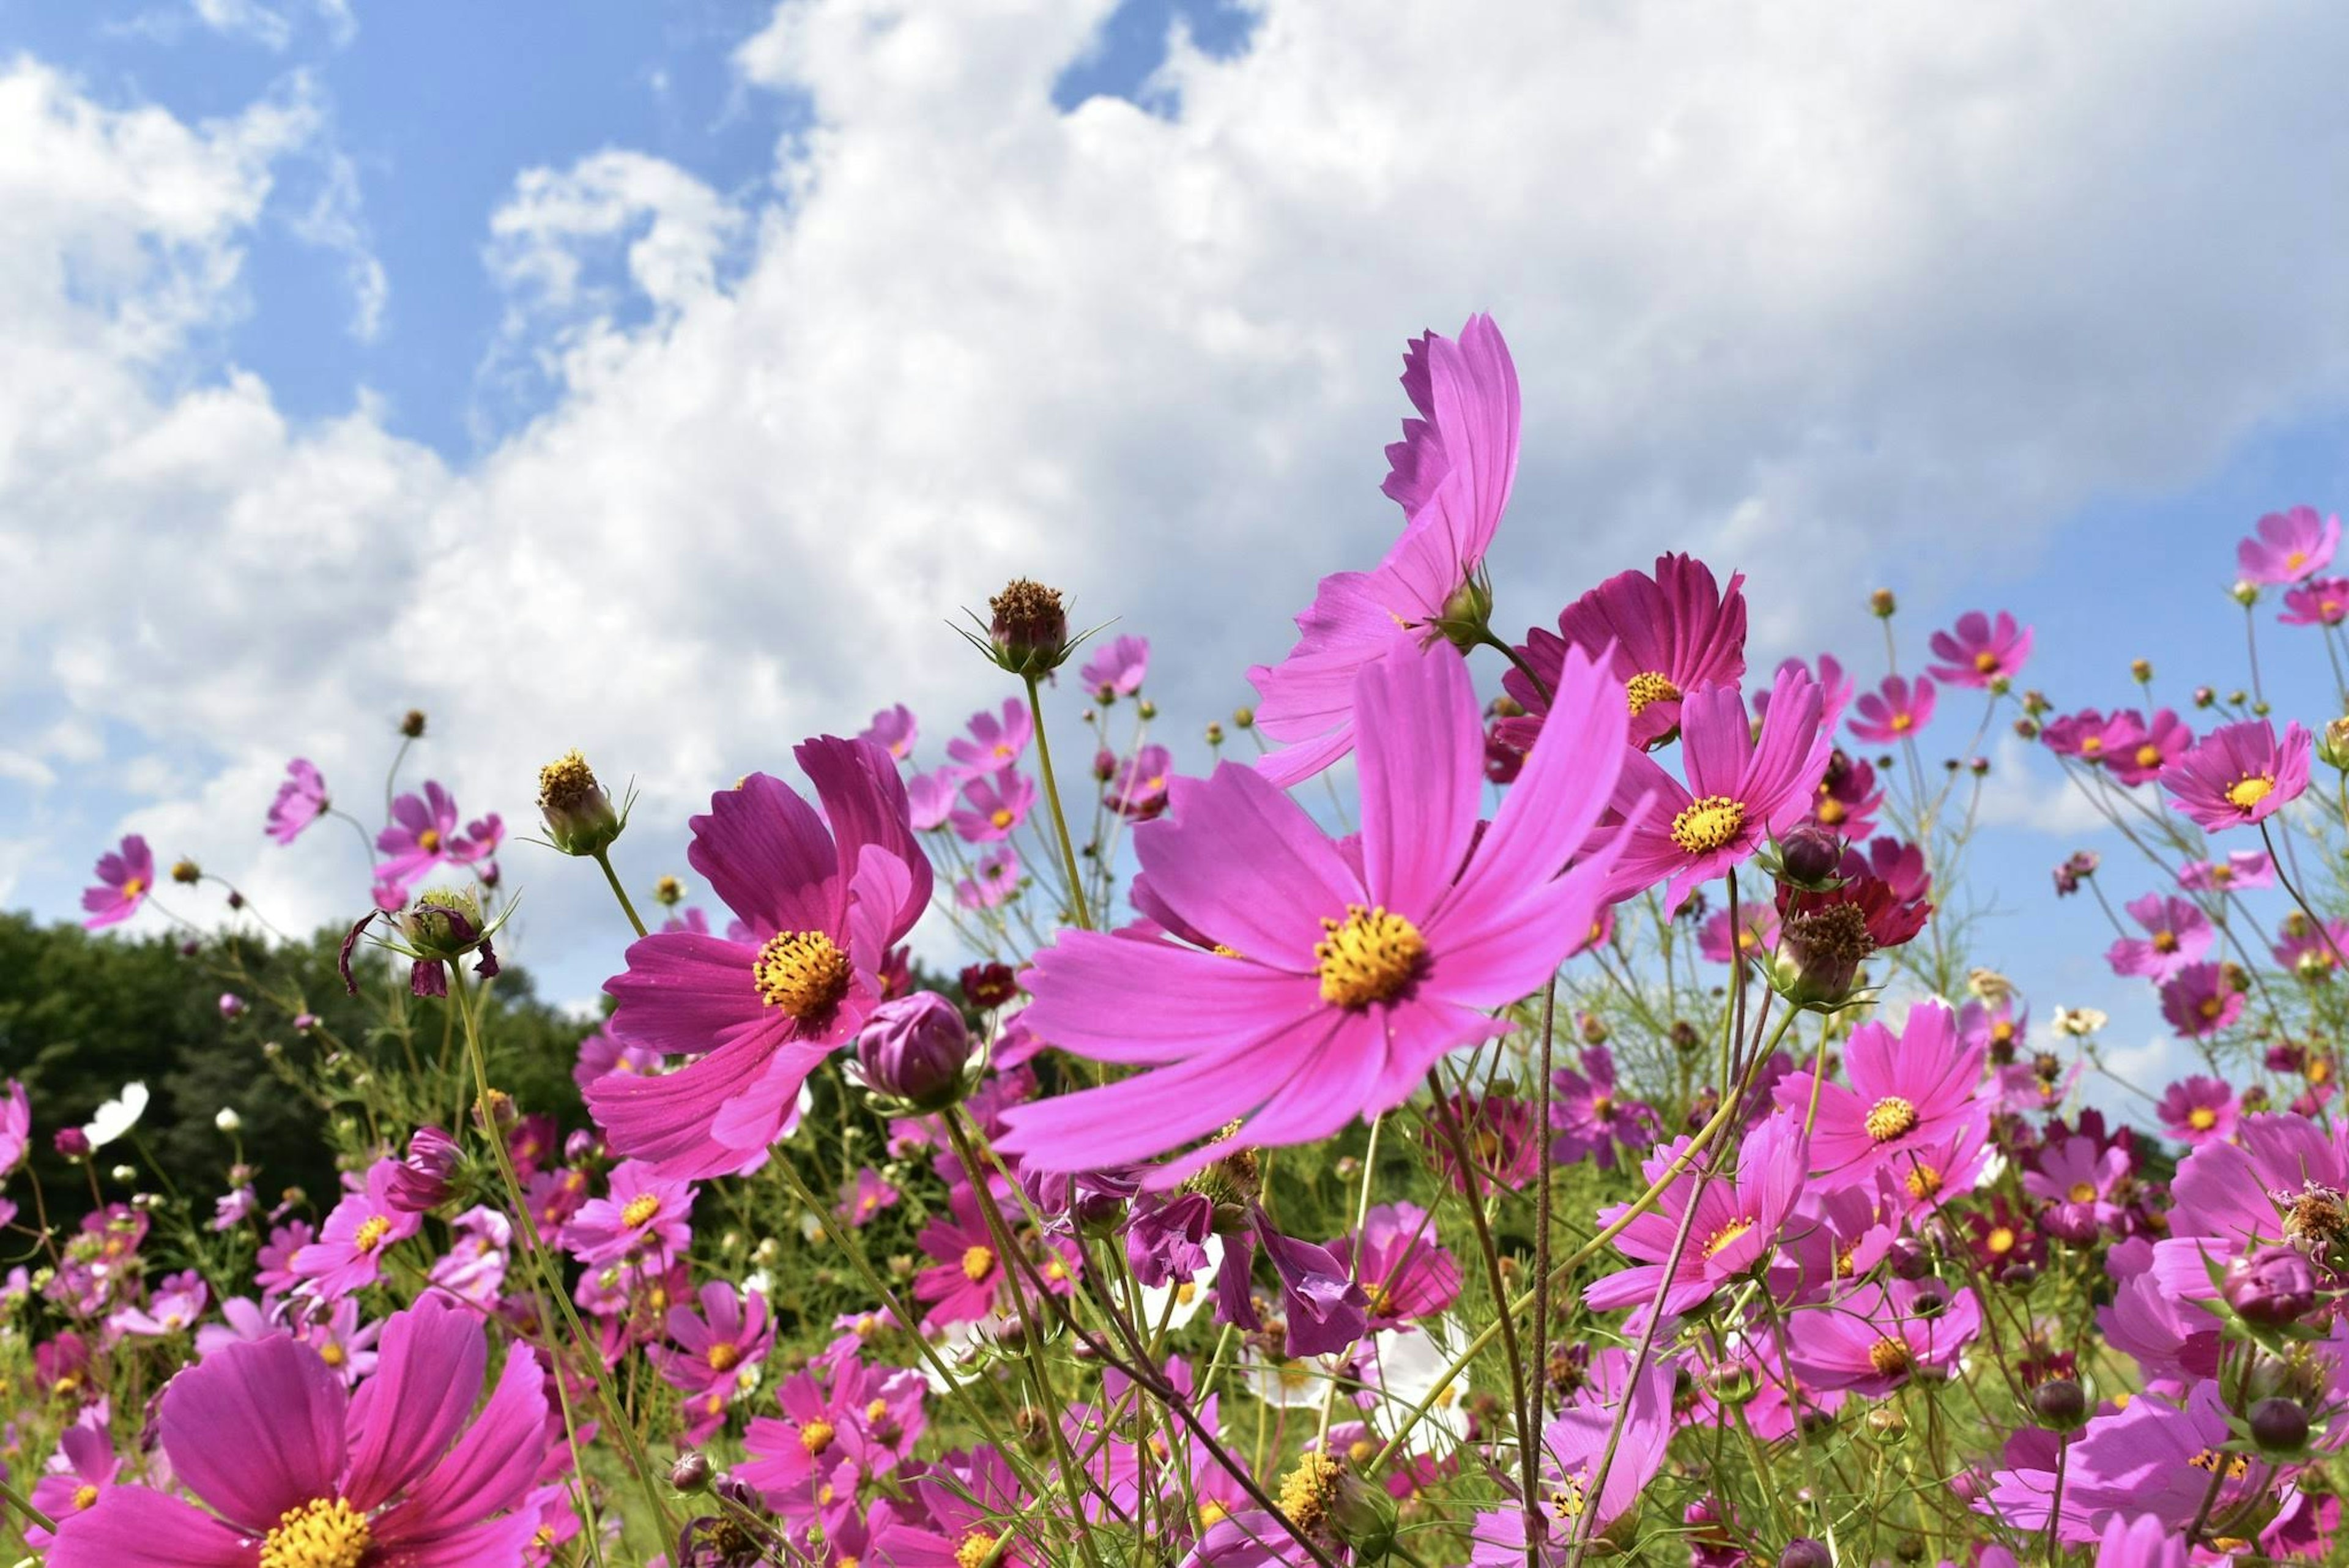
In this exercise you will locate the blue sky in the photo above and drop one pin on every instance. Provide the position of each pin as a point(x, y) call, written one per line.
point(656, 377)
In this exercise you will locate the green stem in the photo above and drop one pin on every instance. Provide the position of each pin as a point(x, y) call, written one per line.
point(603, 859)
point(1077, 907)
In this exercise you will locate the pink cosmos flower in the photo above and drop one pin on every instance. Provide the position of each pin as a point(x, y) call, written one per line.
point(2240, 774)
point(82, 1472)
point(2090, 734)
point(2289, 547)
point(2138, 749)
point(1835, 689)
point(1847, 799)
point(125, 878)
point(1980, 652)
point(1741, 790)
point(1591, 1117)
point(1340, 981)
point(993, 881)
point(420, 836)
point(603, 1052)
point(298, 1470)
point(478, 844)
point(348, 1253)
point(1875, 1339)
point(1894, 712)
point(864, 1196)
point(300, 801)
point(1671, 636)
point(172, 1309)
point(1994, 1027)
point(2200, 1110)
point(1451, 474)
point(824, 898)
point(728, 1331)
point(2145, 1542)
point(969, 1275)
point(643, 1219)
point(993, 743)
point(1404, 1271)
point(1116, 671)
point(2078, 1185)
point(2308, 952)
point(930, 797)
point(16, 1126)
point(2177, 933)
point(2245, 870)
point(994, 804)
point(894, 731)
point(2320, 601)
point(474, 1266)
point(1139, 788)
point(1908, 1091)
point(1735, 1227)
point(2199, 1001)
point(1757, 932)
point(1573, 1446)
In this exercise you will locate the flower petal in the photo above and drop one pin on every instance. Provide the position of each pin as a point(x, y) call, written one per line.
point(256, 1428)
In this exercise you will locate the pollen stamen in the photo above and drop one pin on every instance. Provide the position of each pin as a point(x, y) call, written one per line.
point(1888, 1118)
point(1709, 824)
point(1370, 956)
point(802, 973)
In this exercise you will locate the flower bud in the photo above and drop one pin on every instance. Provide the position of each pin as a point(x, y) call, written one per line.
point(2245, 593)
point(2141, 670)
point(916, 1049)
point(2272, 1287)
point(420, 1184)
point(2279, 1425)
point(1809, 856)
point(2060, 1405)
point(71, 1142)
point(227, 1121)
point(669, 892)
point(304, 1022)
point(1880, 604)
point(1214, 733)
point(1909, 1258)
point(2204, 696)
point(231, 1006)
point(1804, 1552)
point(579, 816)
point(1029, 632)
point(1244, 718)
point(184, 870)
point(691, 1473)
point(125, 1173)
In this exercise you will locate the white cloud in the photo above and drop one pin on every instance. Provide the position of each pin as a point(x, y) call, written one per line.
point(246, 19)
point(1793, 279)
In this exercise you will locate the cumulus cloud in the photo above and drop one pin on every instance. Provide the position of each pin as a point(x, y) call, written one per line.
point(1779, 281)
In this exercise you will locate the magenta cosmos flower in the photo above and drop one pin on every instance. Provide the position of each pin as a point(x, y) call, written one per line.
point(348, 1253)
point(730, 1331)
point(1909, 1093)
point(2177, 933)
point(994, 805)
point(2240, 774)
point(1741, 790)
point(2138, 748)
point(1335, 982)
point(1591, 1116)
point(642, 1220)
point(2321, 601)
point(2200, 1110)
point(1894, 712)
point(2289, 547)
point(894, 731)
point(1735, 1230)
point(2199, 1001)
point(300, 801)
point(125, 878)
point(1877, 1337)
point(994, 744)
point(1670, 635)
point(422, 836)
point(1404, 1271)
point(1451, 474)
point(824, 897)
point(1980, 651)
point(298, 1472)
point(1117, 669)
point(2246, 870)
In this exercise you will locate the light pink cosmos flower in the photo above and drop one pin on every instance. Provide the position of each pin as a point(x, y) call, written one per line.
point(348, 1253)
point(2200, 1110)
point(1627, 1427)
point(993, 743)
point(125, 878)
point(2177, 933)
point(2289, 547)
point(1671, 635)
point(1741, 790)
point(603, 1052)
point(993, 881)
point(2240, 774)
point(420, 836)
point(994, 804)
point(1451, 475)
point(1757, 932)
point(82, 1472)
point(642, 1220)
point(2088, 734)
point(1138, 789)
point(172, 1309)
point(300, 801)
point(2321, 601)
point(1877, 1337)
point(728, 1331)
point(2245, 870)
point(298, 1470)
point(2308, 952)
point(1339, 980)
point(1835, 689)
point(2199, 1001)
point(824, 898)
point(1980, 652)
point(1908, 1091)
point(864, 1196)
point(1894, 712)
point(1404, 1271)
point(894, 731)
point(1734, 1231)
point(16, 1126)
point(2138, 749)
point(1117, 669)
point(930, 797)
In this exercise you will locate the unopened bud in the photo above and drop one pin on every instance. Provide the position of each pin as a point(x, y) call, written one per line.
point(1880, 604)
point(227, 1121)
point(916, 1050)
point(2141, 669)
point(420, 1182)
point(411, 723)
point(2280, 1426)
point(579, 816)
point(1028, 634)
point(2245, 593)
point(2060, 1405)
point(2271, 1288)
point(691, 1473)
point(669, 892)
point(1244, 718)
point(1804, 1552)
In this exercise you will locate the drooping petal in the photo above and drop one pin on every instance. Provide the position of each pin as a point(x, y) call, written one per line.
point(666, 1119)
point(256, 1428)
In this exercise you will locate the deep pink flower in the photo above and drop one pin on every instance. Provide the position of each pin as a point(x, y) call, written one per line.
point(969, 1274)
point(1875, 1339)
point(1908, 1091)
point(1847, 799)
point(2200, 1110)
point(1451, 475)
point(300, 801)
point(1740, 791)
point(2138, 749)
point(2152, 1458)
point(16, 1126)
point(1757, 932)
point(1835, 689)
point(1894, 712)
point(2289, 547)
point(2309, 951)
point(729, 1332)
point(2200, 1001)
point(405, 1472)
point(642, 1220)
point(994, 805)
point(824, 898)
point(1585, 1433)
point(894, 731)
point(864, 1196)
point(603, 1052)
point(1980, 652)
point(1343, 980)
point(2091, 735)
point(1894, 862)
point(2079, 1185)
point(1139, 787)
point(479, 843)
point(1404, 1271)
point(125, 878)
point(2240, 774)
point(2177, 933)
point(348, 1253)
point(2320, 601)
point(420, 836)
point(993, 743)
point(2245, 870)
point(1671, 636)
point(1735, 1227)
point(1591, 1117)
point(1993, 1027)
point(1117, 669)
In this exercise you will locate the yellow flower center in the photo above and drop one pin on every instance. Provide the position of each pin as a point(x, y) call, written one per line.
point(325, 1533)
point(641, 1209)
point(2165, 942)
point(2245, 794)
point(133, 886)
point(2296, 559)
point(2210, 1006)
point(877, 1412)
point(816, 1437)
point(84, 1495)
point(428, 841)
point(1649, 686)
point(2000, 1240)
point(2002, 1031)
point(1720, 1239)
point(2092, 745)
point(1000, 816)
point(2084, 1192)
point(1890, 1357)
point(1985, 661)
point(976, 1263)
point(1831, 810)
point(723, 1355)
point(2149, 755)
point(1902, 723)
point(333, 1354)
point(977, 1549)
point(371, 1232)
point(1888, 1118)
point(1709, 824)
point(2208, 1461)
point(802, 974)
point(2201, 1118)
point(1922, 1181)
point(1308, 1491)
point(1370, 956)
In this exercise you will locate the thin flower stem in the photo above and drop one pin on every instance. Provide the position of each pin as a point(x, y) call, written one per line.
point(1473, 1190)
point(23, 1506)
point(604, 859)
point(1486, 638)
point(1078, 912)
point(2313, 918)
point(1528, 1442)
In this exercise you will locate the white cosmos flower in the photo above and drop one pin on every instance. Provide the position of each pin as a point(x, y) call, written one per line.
point(117, 1116)
point(1405, 1364)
